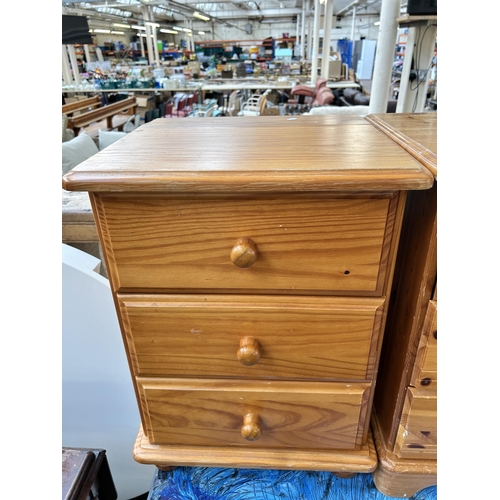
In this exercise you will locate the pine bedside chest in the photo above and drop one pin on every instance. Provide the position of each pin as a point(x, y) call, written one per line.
point(251, 261)
point(405, 405)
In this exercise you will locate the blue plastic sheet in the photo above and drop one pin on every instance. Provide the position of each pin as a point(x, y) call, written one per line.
point(207, 483)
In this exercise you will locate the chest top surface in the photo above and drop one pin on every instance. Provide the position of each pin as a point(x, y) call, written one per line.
point(415, 132)
point(267, 154)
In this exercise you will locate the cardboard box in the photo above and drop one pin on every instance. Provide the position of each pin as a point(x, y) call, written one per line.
point(335, 67)
point(143, 101)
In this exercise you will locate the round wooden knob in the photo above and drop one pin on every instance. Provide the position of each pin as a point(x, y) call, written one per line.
point(249, 352)
point(244, 252)
point(251, 430)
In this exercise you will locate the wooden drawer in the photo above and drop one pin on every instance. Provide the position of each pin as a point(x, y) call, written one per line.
point(199, 412)
point(417, 434)
point(425, 368)
point(322, 244)
point(273, 336)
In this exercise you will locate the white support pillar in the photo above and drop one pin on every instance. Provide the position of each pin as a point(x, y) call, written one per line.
point(149, 45)
point(353, 22)
point(74, 64)
point(141, 40)
point(87, 52)
point(413, 94)
point(297, 36)
point(303, 31)
point(315, 47)
point(98, 52)
point(309, 31)
point(155, 45)
point(66, 69)
point(327, 39)
point(384, 56)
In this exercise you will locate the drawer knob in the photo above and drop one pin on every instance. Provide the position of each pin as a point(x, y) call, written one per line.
point(251, 430)
point(249, 352)
point(244, 252)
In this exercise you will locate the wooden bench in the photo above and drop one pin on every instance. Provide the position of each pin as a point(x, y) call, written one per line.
point(83, 105)
point(124, 107)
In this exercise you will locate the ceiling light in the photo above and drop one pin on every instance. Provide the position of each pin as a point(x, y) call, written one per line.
point(187, 30)
point(154, 25)
point(201, 32)
point(118, 25)
point(201, 16)
point(118, 32)
point(144, 34)
point(190, 34)
point(137, 27)
point(172, 32)
point(377, 23)
point(90, 31)
point(177, 28)
point(101, 31)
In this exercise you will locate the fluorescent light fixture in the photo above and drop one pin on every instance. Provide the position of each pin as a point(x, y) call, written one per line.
point(90, 30)
point(201, 16)
point(190, 34)
point(137, 27)
point(155, 25)
point(201, 32)
point(144, 34)
point(178, 28)
point(118, 32)
point(172, 32)
point(377, 23)
point(118, 25)
point(187, 30)
point(101, 31)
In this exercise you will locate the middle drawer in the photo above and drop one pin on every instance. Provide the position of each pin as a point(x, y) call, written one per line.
point(252, 336)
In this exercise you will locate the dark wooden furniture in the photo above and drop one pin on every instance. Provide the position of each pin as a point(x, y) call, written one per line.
point(86, 475)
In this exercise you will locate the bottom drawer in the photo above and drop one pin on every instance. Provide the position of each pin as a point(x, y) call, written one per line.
point(270, 414)
point(417, 434)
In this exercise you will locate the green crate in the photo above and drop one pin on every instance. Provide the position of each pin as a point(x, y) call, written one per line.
point(108, 85)
point(144, 84)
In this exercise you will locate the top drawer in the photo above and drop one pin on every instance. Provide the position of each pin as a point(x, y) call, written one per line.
point(332, 244)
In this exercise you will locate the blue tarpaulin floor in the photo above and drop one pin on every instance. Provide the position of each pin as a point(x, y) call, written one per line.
point(207, 483)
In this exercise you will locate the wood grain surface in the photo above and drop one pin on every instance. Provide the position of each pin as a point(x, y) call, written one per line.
point(336, 243)
point(274, 153)
point(417, 434)
point(415, 132)
point(210, 412)
point(299, 337)
point(362, 460)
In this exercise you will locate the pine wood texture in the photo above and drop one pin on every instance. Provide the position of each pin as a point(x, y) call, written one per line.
point(415, 132)
point(277, 236)
point(417, 436)
point(400, 477)
point(405, 403)
point(299, 337)
point(363, 460)
point(330, 243)
point(240, 154)
point(210, 412)
point(425, 370)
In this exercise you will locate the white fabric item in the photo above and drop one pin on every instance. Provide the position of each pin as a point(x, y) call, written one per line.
point(78, 149)
point(339, 110)
point(107, 137)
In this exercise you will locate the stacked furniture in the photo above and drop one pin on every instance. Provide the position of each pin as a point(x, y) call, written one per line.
point(252, 285)
point(405, 407)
